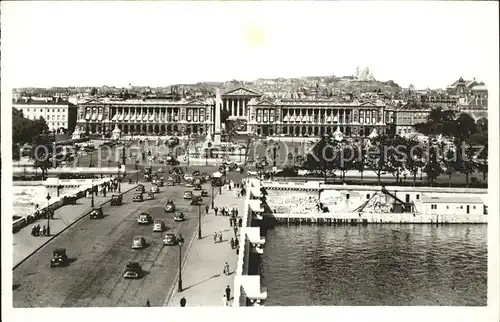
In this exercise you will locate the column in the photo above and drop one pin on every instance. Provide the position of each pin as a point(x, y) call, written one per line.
point(237, 107)
point(232, 107)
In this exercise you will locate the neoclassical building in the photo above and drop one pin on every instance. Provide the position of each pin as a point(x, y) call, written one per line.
point(262, 116)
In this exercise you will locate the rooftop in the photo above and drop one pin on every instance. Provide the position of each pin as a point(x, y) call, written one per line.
point(452, 199)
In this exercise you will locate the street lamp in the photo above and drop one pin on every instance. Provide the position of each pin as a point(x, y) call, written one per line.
point(92, 193)
point(180, 242)
point(212, 194)
point(137, 171)
point(48, 214)
point(199, 220)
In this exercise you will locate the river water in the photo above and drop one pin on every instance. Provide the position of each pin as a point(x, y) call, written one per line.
point(376, 265)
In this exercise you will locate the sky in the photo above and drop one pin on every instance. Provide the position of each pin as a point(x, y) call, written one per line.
point(427, 44)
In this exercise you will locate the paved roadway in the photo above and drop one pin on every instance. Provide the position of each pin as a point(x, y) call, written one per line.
point(100, 249)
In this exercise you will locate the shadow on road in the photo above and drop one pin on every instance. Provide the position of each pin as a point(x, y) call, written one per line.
point(208, 279)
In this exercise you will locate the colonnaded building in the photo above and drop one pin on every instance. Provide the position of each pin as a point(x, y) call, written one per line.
point(255, 114)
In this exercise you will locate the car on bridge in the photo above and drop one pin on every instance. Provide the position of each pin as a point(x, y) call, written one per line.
point(144, 218)
point(140, 188)
point(150, 196)
point(170, 206)
point(155, 189)
point(188, 195)
point(59, 258)
point(116, 200)
point(159, 225)
point(139, 242)
point(169, 239)
point(179, 216)
point(97, 213)
point(137, 197)
point(133, 270)
point(196, 200)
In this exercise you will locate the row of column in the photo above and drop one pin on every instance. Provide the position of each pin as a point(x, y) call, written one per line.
point(343, 116)
point(236, 106)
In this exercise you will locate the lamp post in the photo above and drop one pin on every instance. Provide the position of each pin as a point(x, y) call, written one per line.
point(48, 214)
point(213, 194)
point(180, 242)
point(199, 220)
point(92, 193)
point(137, 171)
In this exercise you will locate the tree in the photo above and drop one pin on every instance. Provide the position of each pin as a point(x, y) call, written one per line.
point(464, 127)
point(375, 155)
point(321, 158)
point(414, 157)
point(359, 162)
point(449, 163)
point(432, 168)
point(466, 163)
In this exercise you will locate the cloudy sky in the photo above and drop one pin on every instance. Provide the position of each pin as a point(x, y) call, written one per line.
point(157, 43)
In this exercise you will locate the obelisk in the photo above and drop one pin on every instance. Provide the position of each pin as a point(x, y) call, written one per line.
point(218, 107)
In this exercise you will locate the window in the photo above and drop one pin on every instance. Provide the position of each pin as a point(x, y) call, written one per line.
point(367, 196)
point(434, 206)
point(473, 207)
point(461, 207)
point(447, 207)
point(418, 197)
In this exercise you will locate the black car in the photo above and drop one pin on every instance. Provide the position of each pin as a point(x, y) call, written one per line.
point(140, 188)
point(133, 270)
point(204, 193)
point(96, 213)
point(196, 173)
point(116, 200)
point(137, 197)
point(197, 200)
point(59, 258)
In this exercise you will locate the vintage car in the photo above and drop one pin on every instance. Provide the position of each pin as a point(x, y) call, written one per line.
point(196, 173)
point(169, 239)
point(197, 187)
point(139, 242)
point(197, 181)
point(196, 200)
point(133, 270)
point(155, 189)
point(116, 200)
point(96, 213)
point(140, 188)
point(144, 218)
point(179, 216)
point(159, 182)
point(59, 257)
point(239, 170)
point(150, 196)
point(170, 182)
point(158, 225)
point(188, 176)
point(189, 183)
point(204, 193)
point(137, 197)
point(170, 206)
point(188, 195)
point(69, 200)
point(205, 176)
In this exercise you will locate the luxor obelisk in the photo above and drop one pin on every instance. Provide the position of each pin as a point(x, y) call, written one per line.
point(218, 107)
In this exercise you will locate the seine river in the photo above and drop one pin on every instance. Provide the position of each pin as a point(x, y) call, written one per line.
point(376, 265)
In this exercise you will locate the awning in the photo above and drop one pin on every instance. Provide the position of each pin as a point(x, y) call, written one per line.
point(115, 117)
point(292, 118)
point(251, 286)
point(286, 118)
point(99, 117)
point(145, 117)
point(127, 117)
point(329, 119)
point(253, 234)
point(255, 205)
point(94, 117)
point(152, 117)
point(87, 117)
point(133, 117)
point(120, 118)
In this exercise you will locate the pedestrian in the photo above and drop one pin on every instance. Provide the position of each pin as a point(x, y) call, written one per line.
point(236, 243)
point(220, 236)
point(232, 243)
point(147, 303)
point(231, 222)
point(226, 268)
point(206, 209)
point(215, 237)
point(104, 192)
point(44, 230)
point(183, 301)
point(240, 222)
point(235, 231)
point(224, 300)
point(215, 210)
point(237, 250)
point(228, 293)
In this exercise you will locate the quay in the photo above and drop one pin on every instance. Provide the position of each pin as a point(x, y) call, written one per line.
point(275, 203)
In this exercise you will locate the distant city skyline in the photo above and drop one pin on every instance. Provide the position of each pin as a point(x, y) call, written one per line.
point(426, 44)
